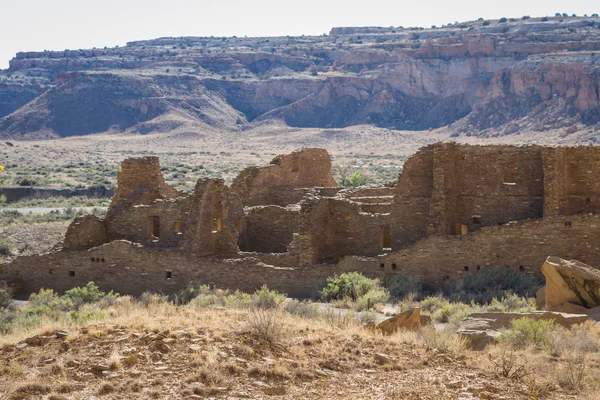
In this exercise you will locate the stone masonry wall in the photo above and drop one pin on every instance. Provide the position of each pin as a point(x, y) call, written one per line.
point(332, 228)
point(269, 229)
point(439, 258)
point(85, 232)
point(412, 198)
point(140, 182)
point(572, 177)
point(306, 168)
point(129, 268)
point(477, 186)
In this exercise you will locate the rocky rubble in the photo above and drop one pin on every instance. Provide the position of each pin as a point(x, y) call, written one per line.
point(484, 78)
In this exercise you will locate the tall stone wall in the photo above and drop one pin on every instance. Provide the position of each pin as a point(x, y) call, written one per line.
point(477, 186)
point(409, 214)
point(214, 219)
point(140, 182)
point(331, 228)
point(269, 229)
point(572, 180)
point(306, 168)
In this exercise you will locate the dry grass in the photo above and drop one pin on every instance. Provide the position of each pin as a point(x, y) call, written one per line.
point(256, 353)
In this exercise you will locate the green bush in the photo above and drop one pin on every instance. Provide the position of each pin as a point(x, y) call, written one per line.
point(5, 299)
point(265, 298)
point(6, 318)
point(6, 248)
point(527, 331)
point(402, 285)
point(88, 312)
point(347, 285)
point(490, 283)
point(86, 295)
point(238, 300)
point(352, 290)
point(190, 292)
point(357, 179)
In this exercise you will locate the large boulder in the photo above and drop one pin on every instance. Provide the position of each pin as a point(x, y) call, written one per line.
point(481, 329)
point(410, 320)
point(570, 282)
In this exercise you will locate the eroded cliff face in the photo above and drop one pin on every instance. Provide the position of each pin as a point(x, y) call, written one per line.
point(547, 93)
point(481, 77)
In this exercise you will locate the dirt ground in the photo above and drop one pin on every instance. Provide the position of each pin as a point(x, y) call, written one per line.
point(169, 352)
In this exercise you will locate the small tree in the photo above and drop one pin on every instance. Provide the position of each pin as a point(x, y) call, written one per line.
point(502, 20)
point(357, 179)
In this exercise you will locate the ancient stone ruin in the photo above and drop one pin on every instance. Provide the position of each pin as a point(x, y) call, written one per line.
point(454, 210)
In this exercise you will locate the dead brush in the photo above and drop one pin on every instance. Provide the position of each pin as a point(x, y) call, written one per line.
point(267, 325)
point(338, 319)
point(575, 373)
point(506, 365)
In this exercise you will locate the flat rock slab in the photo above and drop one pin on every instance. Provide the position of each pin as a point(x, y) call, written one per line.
point(481, 329)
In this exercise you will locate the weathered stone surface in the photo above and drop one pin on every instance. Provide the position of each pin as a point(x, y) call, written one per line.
point(408, 320)
point(570, 282)
point(481, 329)
point(540, 298)
point(521, 74)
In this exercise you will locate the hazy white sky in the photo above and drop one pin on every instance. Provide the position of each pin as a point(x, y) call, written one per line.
point(35, 25)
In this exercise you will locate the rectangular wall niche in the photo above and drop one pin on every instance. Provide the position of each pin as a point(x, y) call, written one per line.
point(177, 226)
point(385, 237)
point(168, 274)
point(155, 226)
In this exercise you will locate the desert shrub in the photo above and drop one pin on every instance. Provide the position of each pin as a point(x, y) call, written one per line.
point(506, 363)
point(433, 303)
point(444, 340)
point(358, 178)
point(5, 299)
point(528, 331)
point(267, 324)
point(265, 298)
point(27, 181)
point(372, 297)
point(207, 299)
point(347, 285)
point(511, 302)
point(305, 309)
point(502, 20)
point(6, 248)
point(490, 283)
point(238, 299)
point(87, 312)
point(190, 292)
point(352, 290)
point(46, 303)
point(485, 23)
point(86, 295)
point(149, 299)
point(448, 311)
point(338, 319)
point(402, 285)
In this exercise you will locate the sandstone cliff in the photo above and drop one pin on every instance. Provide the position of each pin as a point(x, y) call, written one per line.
point(483, 78)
